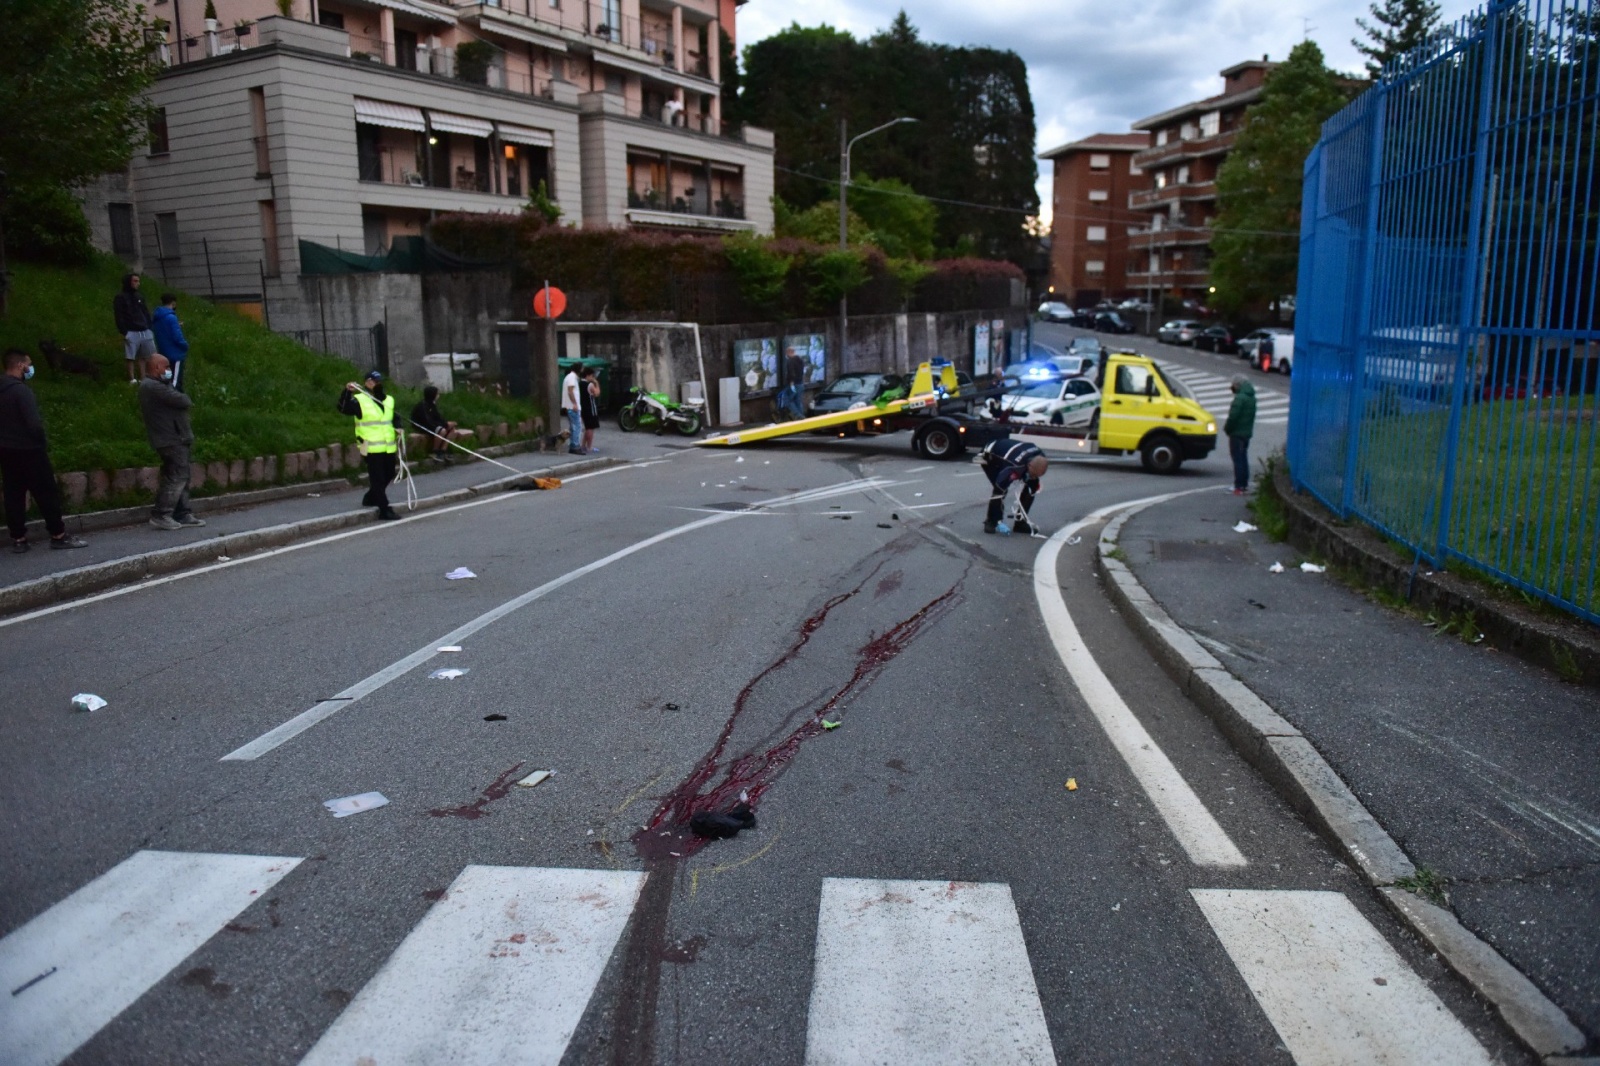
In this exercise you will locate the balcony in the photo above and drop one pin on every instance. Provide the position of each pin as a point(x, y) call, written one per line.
point(1168, 279)
point(1176, 151)
point(1176, 236)
point(1187, 192)
point(594, 24)
point(724, 207)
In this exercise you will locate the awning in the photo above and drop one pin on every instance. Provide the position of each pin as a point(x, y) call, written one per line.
point(395, 116)
point(448, 123)
point(524, 135)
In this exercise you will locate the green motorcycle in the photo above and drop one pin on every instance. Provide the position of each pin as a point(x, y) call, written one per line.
point(658, 410)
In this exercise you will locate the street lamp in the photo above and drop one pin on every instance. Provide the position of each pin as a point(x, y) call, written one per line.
point(844, 211)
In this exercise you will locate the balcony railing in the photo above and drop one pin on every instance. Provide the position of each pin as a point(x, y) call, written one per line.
point(723, 207)
point(1175, 235)
point(1192, 148)
point(1189, 190)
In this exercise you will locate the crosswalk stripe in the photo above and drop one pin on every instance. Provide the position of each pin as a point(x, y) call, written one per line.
point(78, 965)
point(911, 972)
point(1333, 988)
point(500, 970)
point(1272, 421)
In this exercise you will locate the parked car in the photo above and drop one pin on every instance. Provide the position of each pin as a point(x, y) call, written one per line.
point(1109, 322)
point(1218, 339)
point(852, 390)
point(1179, 331)
point(1055, 311)
point(1278, 341)
point(1063, 402)
point(1134, 305)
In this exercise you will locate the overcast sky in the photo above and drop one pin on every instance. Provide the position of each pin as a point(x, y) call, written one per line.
point(1097, 67)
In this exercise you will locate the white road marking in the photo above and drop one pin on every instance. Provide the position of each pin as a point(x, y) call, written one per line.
point(107, 943)
point(1333, 988)
point(911, 972)
point(257, 557)
point(500, 970)
point(925, 506)
point(327, 708)
point(1202, 838)
point(918, 469)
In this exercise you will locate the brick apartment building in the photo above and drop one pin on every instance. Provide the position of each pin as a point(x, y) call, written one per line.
point(1171, 253)
point(1091, 225)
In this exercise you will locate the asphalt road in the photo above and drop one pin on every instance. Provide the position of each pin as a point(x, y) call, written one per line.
point(920, 886)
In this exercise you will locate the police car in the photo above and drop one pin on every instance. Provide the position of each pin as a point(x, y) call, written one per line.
point(1069, 402)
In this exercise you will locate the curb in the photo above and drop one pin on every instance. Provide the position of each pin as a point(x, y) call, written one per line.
point(94, 521)
point(1571, 646)
point(84, 581)
point(1305, 780)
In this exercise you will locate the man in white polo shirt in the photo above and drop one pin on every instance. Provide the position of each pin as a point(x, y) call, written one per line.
point(572, 407)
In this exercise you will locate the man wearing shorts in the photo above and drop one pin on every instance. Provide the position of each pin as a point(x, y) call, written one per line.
point(133, 322)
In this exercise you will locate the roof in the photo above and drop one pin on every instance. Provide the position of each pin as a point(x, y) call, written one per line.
point(1197, 107)
point(1105, 142)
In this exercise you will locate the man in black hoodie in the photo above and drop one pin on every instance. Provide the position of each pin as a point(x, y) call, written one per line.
point(133, 322)
point(24, 462)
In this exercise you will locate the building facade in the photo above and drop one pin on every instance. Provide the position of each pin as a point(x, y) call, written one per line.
point(354, 122)
point(1172, 253)
point(1091, 224)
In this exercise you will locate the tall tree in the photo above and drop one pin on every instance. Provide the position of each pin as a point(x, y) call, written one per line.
point(1255, 247)
point(1400, 25)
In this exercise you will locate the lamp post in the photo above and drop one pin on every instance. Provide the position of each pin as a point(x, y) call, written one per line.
point(844, 211)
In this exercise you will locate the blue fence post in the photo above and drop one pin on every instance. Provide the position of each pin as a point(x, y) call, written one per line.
point(1466, 336)
point(1369, 251)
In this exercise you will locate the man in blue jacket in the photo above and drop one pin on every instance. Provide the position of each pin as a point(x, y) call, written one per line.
point(170, 340)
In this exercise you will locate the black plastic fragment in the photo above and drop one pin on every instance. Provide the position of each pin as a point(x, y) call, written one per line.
point(718, 826)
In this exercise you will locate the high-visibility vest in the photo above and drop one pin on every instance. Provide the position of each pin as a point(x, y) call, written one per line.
point(375, 424)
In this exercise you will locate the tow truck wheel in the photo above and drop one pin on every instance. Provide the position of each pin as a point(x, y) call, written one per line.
point(1160, 454)
point(939, 441)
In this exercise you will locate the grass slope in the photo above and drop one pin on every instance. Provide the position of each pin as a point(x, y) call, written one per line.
point(255, 392)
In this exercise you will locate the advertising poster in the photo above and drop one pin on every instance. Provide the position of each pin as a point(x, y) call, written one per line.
point(755, 364)
point(812, 348)
point(997, 343)
point(980, 349)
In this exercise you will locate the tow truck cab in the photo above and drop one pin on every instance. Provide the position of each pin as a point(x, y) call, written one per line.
point(1143, 410)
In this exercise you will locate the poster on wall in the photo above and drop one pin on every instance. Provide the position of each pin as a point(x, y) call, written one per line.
point(812, 348)
point(980, 349)
point(997, 343)
point(755, 364)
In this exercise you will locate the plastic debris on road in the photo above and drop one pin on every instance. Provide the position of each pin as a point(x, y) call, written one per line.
point(831, 725)
point(1276, 568)
point(494, 718)
point(348, 805)
point(718, 826)
point(459, 573)
point(884, 525)
point(87, 701)
point(314, 495)
point(451, 647)
point(1074, 540)
point(447, 674)
point(1072, 784)
point(740, 459)
point(224, 559)
point(547, 483)
point(1313, 568)
point(1244, 527)
point(535, 778)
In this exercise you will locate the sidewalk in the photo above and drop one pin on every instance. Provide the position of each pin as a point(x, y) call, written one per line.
point(315, 509)
point(1479, 766)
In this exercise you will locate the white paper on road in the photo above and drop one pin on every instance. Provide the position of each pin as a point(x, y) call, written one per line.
point(1242, 526)
point(911, 972)
point(87, 701)
point(500, 970)
point(1333, 988)
point(345, 806)
point(448, 673)
point(108, 942)
point(460, 573)
point(1205, 841)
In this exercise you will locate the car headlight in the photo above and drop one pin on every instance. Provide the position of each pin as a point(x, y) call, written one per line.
point(1211, 427)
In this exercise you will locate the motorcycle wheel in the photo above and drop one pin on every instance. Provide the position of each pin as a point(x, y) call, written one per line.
point(689, 424)
point(628, 419)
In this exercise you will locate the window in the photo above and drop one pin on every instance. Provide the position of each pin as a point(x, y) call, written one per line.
point(1132, 380)
point(331, 18)
point(258, 132)
point(1186, 132)
point(1161, 179)
point(123, 240)
point(375, 232)
point(405, 49)
point(1094, 266)
point(1098, 196)
point(1099, 161)
point(269, 239)
point(1156, 223)
point(1096, 233)
point(1210, 123)
point(1183, 174)
point(167, 246)
point(1161, 137)
point(159, 145)
point(1133, 166)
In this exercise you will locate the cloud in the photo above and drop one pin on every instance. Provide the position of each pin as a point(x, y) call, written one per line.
point(1097, 68)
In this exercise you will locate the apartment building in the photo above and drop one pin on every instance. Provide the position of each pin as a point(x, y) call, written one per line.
point(354, 122)
point(1091, 224)
point(1189, 143)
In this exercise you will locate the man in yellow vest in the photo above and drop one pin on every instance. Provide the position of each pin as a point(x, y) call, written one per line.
point(376, 436)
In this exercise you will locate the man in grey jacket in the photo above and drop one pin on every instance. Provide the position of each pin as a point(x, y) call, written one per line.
point(166, 423)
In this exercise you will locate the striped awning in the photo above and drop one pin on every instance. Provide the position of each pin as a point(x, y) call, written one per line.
point(395, 116)
point(524, 135)
point(448, 123)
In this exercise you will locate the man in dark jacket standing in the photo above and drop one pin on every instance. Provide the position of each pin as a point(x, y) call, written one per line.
point(166, 423)
point(1240, 427)
point(24, 458)
point(133, 322)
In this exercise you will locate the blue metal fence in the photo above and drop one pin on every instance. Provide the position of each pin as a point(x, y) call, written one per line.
point(1446, 349)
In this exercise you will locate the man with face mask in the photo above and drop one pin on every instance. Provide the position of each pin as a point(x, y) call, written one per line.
point(24, 458)
point(166, 423)
point(377, 438)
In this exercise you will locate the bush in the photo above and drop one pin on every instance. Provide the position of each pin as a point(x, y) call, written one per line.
point(762, 272)
point(46, 225)
point(472, 61)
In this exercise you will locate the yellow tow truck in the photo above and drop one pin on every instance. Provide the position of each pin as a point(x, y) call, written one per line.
point(1141, 409)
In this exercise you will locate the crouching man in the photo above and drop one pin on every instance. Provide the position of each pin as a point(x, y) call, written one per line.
point(1014, 469)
